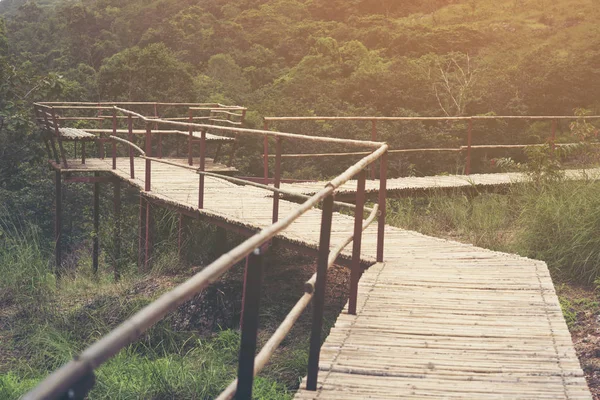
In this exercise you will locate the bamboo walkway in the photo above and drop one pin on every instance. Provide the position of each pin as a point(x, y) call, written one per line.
point(438, 319)
point(412, 184)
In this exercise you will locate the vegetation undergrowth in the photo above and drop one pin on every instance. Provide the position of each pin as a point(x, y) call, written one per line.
point(191, 354)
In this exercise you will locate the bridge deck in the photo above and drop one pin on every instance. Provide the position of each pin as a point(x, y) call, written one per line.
point(414, 183)
point(438, 319)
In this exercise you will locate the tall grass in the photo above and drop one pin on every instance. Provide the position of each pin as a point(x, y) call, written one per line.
point(24, 269)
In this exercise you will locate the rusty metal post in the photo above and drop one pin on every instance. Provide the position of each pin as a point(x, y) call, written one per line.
point(148, 239)
point(374, 139)
point(191, 137)
point(83, 152)
point(117, 233)
point(96, 217)
point(553, 138)
point(160, 136)
point(130, 138)
point(202, 168)
point(357, 241)
point(114, 154)
point(142, 234)
point(277, 178)
point(114, 123)
point(249, 324)
point(58, 221)
point(266, 155)
point(382, 204)
point(148, 182)
point(180, 228)
point(469, 143)
point(319, 295)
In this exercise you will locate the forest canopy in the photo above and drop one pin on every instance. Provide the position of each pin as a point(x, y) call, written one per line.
point(333, 57)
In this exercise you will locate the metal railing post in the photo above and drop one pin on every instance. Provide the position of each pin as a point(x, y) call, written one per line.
point(319, 295)
point(266, 155)
point(58, 222)
point(191, 137)
point(277, 178)
point(553, 138)
point(357, 241)
point(374, 139)
point(469, 142)
point(382, 202)
point(249, 324)
point(202, 168)
point(114, 154)
point(130, 137)
point(96, 212)
point(148, 161)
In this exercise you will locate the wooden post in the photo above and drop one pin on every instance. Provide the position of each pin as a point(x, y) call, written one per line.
point(357, 241)
point(191, 137)
point(382, 205)
point(249, 324)
point(277, 178)
point(58, 222)
point(114, 154)
point(142, 234)
point(469, 143)
point(202, 168)
point(130, 138)
point(96, 217)
point(374, 139)
point(266, 155)
point(83, 152)
point(553, 138)
point(180, 228)
point(319, 295)
point(147, 186)
point(117, 233)
point(148, 239)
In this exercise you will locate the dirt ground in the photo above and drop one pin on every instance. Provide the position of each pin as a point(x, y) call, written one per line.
point(581, 310)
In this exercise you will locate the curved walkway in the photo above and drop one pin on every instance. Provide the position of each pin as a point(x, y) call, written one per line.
point(438, 319)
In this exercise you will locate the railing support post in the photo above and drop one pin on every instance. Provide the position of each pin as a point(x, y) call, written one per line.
point(83, 153)
point(266, 155)
point(202, 168)
point(95, 237)
point(357, 241)
point(190, 137)
point(58, 222)
point(130, 138)
point(117, 233)
point(319, 296)
point(249, 324)
point(277, 179)
point(553, 138)
point(180, 228)
point(114, 154)
point(469, 143)
point(374, 139)
point(148, 238)
point(148, 179)
point(382, 208)
point(142, 234)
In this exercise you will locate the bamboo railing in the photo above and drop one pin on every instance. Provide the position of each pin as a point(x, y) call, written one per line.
point(466, 148)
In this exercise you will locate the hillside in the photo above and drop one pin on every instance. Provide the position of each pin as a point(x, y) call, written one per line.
point(322, 57)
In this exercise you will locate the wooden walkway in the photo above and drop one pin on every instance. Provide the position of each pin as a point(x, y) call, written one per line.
point(415, 184)
point(438, 319)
